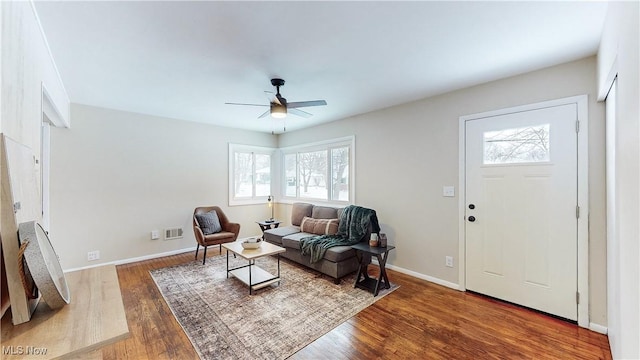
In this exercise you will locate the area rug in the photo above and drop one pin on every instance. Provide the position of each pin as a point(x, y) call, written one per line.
point(224, 322)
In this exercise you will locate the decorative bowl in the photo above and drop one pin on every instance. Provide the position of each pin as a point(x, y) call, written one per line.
point(251, 243)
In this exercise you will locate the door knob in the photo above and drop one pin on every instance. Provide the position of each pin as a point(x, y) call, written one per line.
point(472, 218)
point(472, 206)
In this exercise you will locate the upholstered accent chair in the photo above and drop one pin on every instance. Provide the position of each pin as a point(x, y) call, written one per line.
point(212, 227)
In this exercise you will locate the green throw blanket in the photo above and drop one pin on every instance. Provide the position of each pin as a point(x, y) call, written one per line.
point(354, 225)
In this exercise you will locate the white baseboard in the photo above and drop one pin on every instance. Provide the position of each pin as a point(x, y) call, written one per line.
point(598, 328)
point(423, 276)
point(135, 259)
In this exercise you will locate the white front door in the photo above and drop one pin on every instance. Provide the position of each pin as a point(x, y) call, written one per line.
point(521, 202)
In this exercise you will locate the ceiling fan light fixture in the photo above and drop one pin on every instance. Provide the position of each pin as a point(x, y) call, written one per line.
point(279, 107)
point(278, 111)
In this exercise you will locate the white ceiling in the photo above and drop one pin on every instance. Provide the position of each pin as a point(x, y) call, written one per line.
point(184, 60)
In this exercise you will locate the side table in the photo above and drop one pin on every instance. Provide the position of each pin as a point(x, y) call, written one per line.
point(363, 281)
point(268, 224)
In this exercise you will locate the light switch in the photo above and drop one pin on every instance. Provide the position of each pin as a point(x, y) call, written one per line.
point(449, 191)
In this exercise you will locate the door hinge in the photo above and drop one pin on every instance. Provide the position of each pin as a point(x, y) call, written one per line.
point(577, 126)
point(577, 212)
point(577, 297)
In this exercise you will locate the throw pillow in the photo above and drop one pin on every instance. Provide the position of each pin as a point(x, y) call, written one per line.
point(319, 226)
point(209, 222)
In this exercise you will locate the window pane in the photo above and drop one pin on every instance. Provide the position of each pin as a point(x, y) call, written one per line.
point(522, 145)
point(340, 174)
point(243, 181)
point(313, 173)
point(290, 174)
point(263, 175)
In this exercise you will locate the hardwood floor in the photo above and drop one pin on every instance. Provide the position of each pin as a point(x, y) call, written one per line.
point(420, 320)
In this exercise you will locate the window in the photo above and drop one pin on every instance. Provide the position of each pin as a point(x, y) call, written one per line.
point(250, 170)
point(522, 145)
point(320, 172)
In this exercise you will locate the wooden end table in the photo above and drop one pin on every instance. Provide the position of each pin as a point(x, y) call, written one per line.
point(363, 281)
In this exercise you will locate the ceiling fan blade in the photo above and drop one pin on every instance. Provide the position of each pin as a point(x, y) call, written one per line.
point(298, 104)
point(245, 104)
point(270, 95)
point(264, 114)
point(299, 112)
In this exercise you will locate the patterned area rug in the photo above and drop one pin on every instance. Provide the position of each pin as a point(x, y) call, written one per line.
point(224, 322)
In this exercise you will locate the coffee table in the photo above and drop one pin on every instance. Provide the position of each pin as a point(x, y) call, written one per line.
point(251, 274)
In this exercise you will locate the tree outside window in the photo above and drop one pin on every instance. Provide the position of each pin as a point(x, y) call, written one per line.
point(251, 173)
point(521, 145)
point(340, 174)
point(313, 172)
point(320, 173)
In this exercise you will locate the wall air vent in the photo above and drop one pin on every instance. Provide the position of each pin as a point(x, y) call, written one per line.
point(173, 233)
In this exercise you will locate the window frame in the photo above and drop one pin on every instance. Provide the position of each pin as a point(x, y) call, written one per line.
point(253, 199)
point(327, 146)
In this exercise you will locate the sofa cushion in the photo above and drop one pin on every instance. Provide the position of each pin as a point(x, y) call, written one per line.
point(299, 211)
point(319, 226)
point(209, 222)
point(339, 253)
point(324, 212)
point(275, 235)
point(293, 240)
point(334, 254)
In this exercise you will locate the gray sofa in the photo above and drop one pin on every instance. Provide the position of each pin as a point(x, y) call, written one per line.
point(337, 262)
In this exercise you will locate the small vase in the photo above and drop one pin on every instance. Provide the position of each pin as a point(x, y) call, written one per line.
point(373, 241)
point(383, 240)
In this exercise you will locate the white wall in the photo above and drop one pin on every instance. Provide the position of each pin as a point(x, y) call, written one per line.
point(405, 154)
point(116, 176)
point(27, 66)
point(28, 77)
point(619, 55)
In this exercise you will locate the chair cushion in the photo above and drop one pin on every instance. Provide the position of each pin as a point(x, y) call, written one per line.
point(219, 238)
point(299, 211)
point(209, 222)
point(319, 226)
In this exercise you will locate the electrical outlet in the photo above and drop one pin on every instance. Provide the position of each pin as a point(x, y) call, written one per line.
point(448, 260)
point(155, 235)
point(93, 255)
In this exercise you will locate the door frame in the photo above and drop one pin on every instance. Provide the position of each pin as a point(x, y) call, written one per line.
point(50, 118)
point(582, 107)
